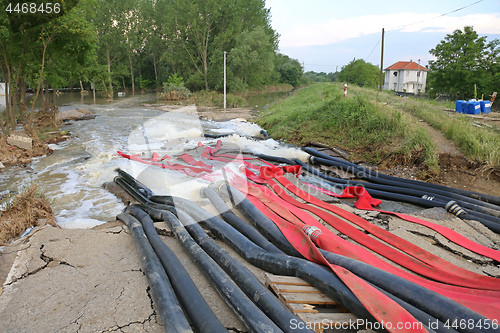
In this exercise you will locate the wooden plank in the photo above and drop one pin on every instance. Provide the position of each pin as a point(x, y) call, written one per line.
point(296, 289)
point(287, 280)
point(306, 298)
point(302, 308)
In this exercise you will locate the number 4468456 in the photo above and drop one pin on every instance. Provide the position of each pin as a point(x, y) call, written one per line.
point(33, 8)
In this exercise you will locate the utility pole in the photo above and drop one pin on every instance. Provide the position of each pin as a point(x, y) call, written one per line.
point(381, 60)
point(350, 72)
point(224, 79)
point(418, 76)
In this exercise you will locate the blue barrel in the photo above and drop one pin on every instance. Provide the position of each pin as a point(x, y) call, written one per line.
point(459, 106)
point(465, 106)
point(474, 108)
point(485, 106)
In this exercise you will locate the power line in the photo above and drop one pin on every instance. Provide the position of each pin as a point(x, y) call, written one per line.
point(453, 11)
point(403, 26)
point(373, 49)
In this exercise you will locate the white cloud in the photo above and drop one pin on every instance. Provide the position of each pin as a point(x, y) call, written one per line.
point(333, 31)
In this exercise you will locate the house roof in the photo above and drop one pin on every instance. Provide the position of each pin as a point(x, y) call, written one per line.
point(409, 65)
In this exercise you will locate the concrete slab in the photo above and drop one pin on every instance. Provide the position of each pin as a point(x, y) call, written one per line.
point(20, 140)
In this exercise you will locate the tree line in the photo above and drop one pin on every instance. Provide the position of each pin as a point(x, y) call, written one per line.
point(132, 45)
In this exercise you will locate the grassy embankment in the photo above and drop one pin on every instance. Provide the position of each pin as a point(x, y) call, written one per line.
point(369, 129)
point(373, 125)
point(481, 144)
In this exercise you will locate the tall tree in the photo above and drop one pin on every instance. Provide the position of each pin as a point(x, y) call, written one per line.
point(251, 60)
point(362, 73)
point(289, 70)
point(110, 22)
point(463, 59)
point(201, 30)
point(33, 44)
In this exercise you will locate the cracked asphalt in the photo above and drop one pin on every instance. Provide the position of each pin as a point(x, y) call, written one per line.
point(86, 280)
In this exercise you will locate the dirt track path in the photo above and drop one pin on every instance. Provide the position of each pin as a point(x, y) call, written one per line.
point(443, 145)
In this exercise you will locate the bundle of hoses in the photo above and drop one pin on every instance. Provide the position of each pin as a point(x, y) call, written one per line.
point(247, 297)
point(464, 204)
point(425, 305)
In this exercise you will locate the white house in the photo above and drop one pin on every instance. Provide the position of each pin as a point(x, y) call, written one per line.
point(2, 89)
point(405, 76)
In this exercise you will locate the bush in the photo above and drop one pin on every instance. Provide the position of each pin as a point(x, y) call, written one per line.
point(174, 89)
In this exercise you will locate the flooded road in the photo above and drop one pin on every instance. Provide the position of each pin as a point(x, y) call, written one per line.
point(72, 176)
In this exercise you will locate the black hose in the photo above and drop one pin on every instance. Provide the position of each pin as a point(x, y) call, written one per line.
point(479, 196)
point(245, 279)
point(203, 215)
point(237, 223)
point(143, 189)
point(489, 221)
point(216, 136)
point(276, 159)
point(304, 273)
point(228, 235)
point(464, 201)
point(197, 309)
point(420, 315)
point(387, 191)
point(169, 310)
point(241, 305)
point(316, 275)
point(257, 218)
point(473, 216)
point(134, 192)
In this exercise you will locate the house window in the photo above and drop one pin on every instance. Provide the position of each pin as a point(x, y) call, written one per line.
point(394, 86)
point(418, 74)
point(395, 73)
point(407, 73)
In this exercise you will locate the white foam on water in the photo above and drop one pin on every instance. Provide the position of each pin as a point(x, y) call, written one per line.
point(233, 126)
point(267, 147)
point(54, 146)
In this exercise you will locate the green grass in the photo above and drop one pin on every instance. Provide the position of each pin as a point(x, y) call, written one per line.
point(216, 99)
point(360, 124)
point(481, 144)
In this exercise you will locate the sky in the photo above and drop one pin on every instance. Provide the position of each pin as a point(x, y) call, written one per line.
point(327, 34)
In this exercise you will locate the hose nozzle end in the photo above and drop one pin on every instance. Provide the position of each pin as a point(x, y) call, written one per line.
point(217, 185)
point(454, 208)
